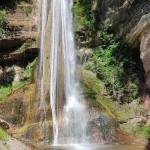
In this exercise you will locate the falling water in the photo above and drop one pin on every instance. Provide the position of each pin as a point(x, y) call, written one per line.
point(42, 108)
point(42, 47)
point(66, 103)
point(73, 116)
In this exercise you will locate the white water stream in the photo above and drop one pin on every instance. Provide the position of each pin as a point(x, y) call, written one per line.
point(68, 110)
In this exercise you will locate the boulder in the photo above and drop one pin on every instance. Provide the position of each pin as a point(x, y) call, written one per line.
point(4, 125)
point(7, 76)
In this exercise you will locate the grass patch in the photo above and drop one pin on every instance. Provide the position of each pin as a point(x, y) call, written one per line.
point(3, 135)
point(26, 75)
point(8, 89)
point(135, 130)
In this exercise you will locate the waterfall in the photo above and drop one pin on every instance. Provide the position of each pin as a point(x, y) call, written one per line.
point(66, 103)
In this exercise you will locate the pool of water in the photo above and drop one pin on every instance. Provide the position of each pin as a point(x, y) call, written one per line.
point(92, 147)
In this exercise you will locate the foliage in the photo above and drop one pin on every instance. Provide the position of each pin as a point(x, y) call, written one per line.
point(84, 14)
point(29, 69)
point(136, 130)
point(2, 18)
point(8, 89)
point(3, 135)
point(115, 65)
point(94, 90)
point(25, 75)
point(25, 9)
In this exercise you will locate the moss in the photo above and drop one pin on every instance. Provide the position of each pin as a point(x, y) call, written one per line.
point(94, 91)
point(2, 18)
point(27, 75)
point(3, 135)
point(25, 9)
point(8, 89)
point(136, 130)
point(29, 71)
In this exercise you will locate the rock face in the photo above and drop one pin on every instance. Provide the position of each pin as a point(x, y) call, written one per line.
point(18, 41)
point(130, 20)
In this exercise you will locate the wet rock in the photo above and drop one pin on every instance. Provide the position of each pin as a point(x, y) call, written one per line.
point(40, 133)
point(14, 112)
point(84, 55)
point(100, 127)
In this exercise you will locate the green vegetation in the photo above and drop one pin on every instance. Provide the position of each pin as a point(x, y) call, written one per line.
point(29, 71)
point(2, 18)
point(94, 90)
point(84, 14)
point(3, 135)
point(117, 66)
point(4, 7)
point(136, 130)
point(25, 9)
point(8, 89)
point(26, 76)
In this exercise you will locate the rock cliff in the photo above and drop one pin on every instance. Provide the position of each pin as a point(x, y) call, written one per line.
point(130, 21)
point(18, 39)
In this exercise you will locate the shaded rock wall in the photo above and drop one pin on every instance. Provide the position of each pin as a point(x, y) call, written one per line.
point(130, 20)
point(18, 41)
point(125, 15)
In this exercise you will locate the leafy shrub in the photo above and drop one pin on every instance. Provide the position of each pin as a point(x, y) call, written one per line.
point(2, 18)
point(115, 64)
point(84, 14)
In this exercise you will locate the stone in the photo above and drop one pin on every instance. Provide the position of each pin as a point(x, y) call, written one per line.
point(84, 55)
point(17, 73)
point(4, 125)
point(8, 75)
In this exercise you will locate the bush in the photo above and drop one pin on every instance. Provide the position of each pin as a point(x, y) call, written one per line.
point(84, 14)
point(116, 65)
point(2, 19)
